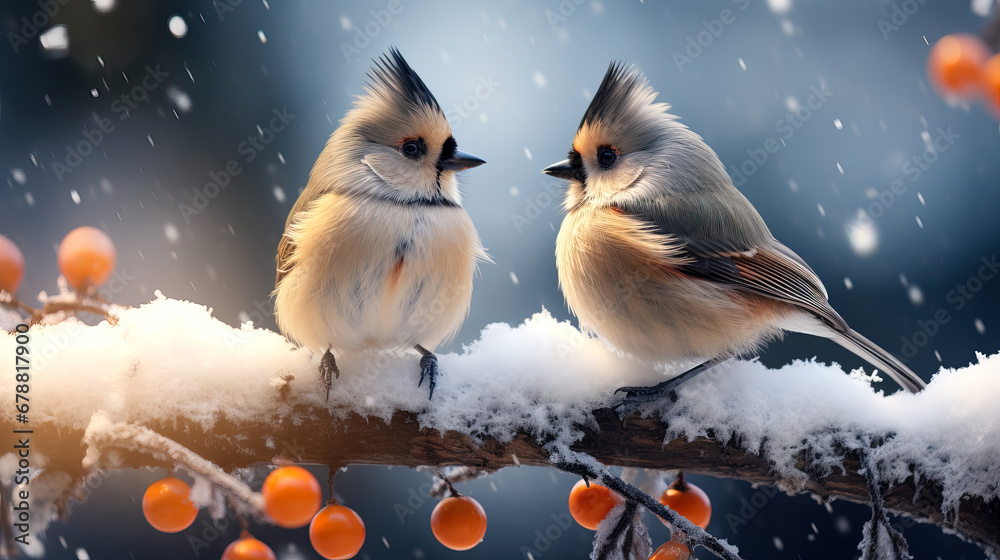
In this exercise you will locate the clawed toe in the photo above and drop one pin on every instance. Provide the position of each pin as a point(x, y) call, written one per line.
point(636, 396)
point(328, 371)
point(429, 371)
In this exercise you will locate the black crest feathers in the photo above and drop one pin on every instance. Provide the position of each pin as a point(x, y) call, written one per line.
point(391, 75)
point(616, 94)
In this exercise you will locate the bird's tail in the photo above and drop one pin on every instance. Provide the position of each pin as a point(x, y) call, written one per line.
point(879, 358)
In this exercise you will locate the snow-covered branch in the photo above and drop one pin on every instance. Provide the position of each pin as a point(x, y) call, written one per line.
point(241, 396)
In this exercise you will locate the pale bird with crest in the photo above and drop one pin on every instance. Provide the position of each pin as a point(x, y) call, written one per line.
point(663, 257)
point(378, 253)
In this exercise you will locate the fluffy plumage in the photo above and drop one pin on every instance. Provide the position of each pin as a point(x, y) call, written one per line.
point(660, 254)
point(378, 252)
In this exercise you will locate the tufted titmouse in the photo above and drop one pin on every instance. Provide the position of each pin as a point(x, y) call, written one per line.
point(662, 256)
point(378, 252)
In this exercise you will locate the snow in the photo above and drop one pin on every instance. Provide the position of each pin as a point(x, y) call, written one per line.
point(170, 359)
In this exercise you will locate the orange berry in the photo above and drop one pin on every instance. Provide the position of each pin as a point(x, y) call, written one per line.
point(337, 532)
point(955, 65)
point(292, 496)
point(689, 501)
point(991, 82)
point(86, 257)
point(590, 505)
point(167, 507)
point(458, 522)
point(11, 265)
point(671, 550)
point(248, 548)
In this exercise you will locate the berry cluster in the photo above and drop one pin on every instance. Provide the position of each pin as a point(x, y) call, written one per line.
point(292, 499)
point(964, 68)
point(590, 503)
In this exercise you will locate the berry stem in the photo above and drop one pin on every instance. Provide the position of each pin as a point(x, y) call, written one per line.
point(452, 493)
point(332, 501)
point(679, 483)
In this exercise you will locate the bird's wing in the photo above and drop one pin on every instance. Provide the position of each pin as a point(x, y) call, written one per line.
point(746, 257)
point(286, 247)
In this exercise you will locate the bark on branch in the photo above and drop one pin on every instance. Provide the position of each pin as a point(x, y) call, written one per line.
point(316, 436)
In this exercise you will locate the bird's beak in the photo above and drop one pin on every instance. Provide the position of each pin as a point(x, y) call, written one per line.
point(461, 161)
point(563, 170)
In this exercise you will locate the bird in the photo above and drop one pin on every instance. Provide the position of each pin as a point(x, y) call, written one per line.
point(377, 252)
point(662, 256)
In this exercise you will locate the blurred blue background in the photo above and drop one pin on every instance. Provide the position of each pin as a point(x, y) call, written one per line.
point(515, 78)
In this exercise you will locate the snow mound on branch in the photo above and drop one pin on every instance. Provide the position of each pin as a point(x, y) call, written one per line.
point(170, 359)
point(949, 432)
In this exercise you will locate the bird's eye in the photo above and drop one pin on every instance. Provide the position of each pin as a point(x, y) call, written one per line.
point(413, 149)
point(606, 156)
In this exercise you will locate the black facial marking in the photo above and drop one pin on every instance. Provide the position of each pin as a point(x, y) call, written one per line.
point(437, 200)
point(448, 150)
point(575, 160)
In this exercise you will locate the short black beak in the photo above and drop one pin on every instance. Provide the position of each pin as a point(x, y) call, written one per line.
point(461, 161)
point(563, 170)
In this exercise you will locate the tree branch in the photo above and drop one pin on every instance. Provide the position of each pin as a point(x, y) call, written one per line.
point(310, 435)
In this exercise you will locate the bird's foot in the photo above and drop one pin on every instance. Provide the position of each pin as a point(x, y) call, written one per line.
point(328, 370)
point(429, 371)
point(637, 396)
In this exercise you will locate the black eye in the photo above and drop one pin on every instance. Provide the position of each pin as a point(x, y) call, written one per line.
point(413, 149)
point(606, 157)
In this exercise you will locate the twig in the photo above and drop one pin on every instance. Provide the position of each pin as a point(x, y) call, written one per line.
point(446, 478)
point(879, 532)
point(622, 531)
point(588, 467)
point(991, 31)
point(103, 432)
point(63, 303)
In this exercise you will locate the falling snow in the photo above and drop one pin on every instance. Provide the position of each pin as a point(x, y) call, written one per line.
point(550, 384)
point(539, 79)
point(178, 27)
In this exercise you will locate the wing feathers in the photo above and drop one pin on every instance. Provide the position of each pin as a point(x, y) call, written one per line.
point(769, 269)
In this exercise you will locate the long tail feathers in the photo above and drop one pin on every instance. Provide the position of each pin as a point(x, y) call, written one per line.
point(879, 358)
